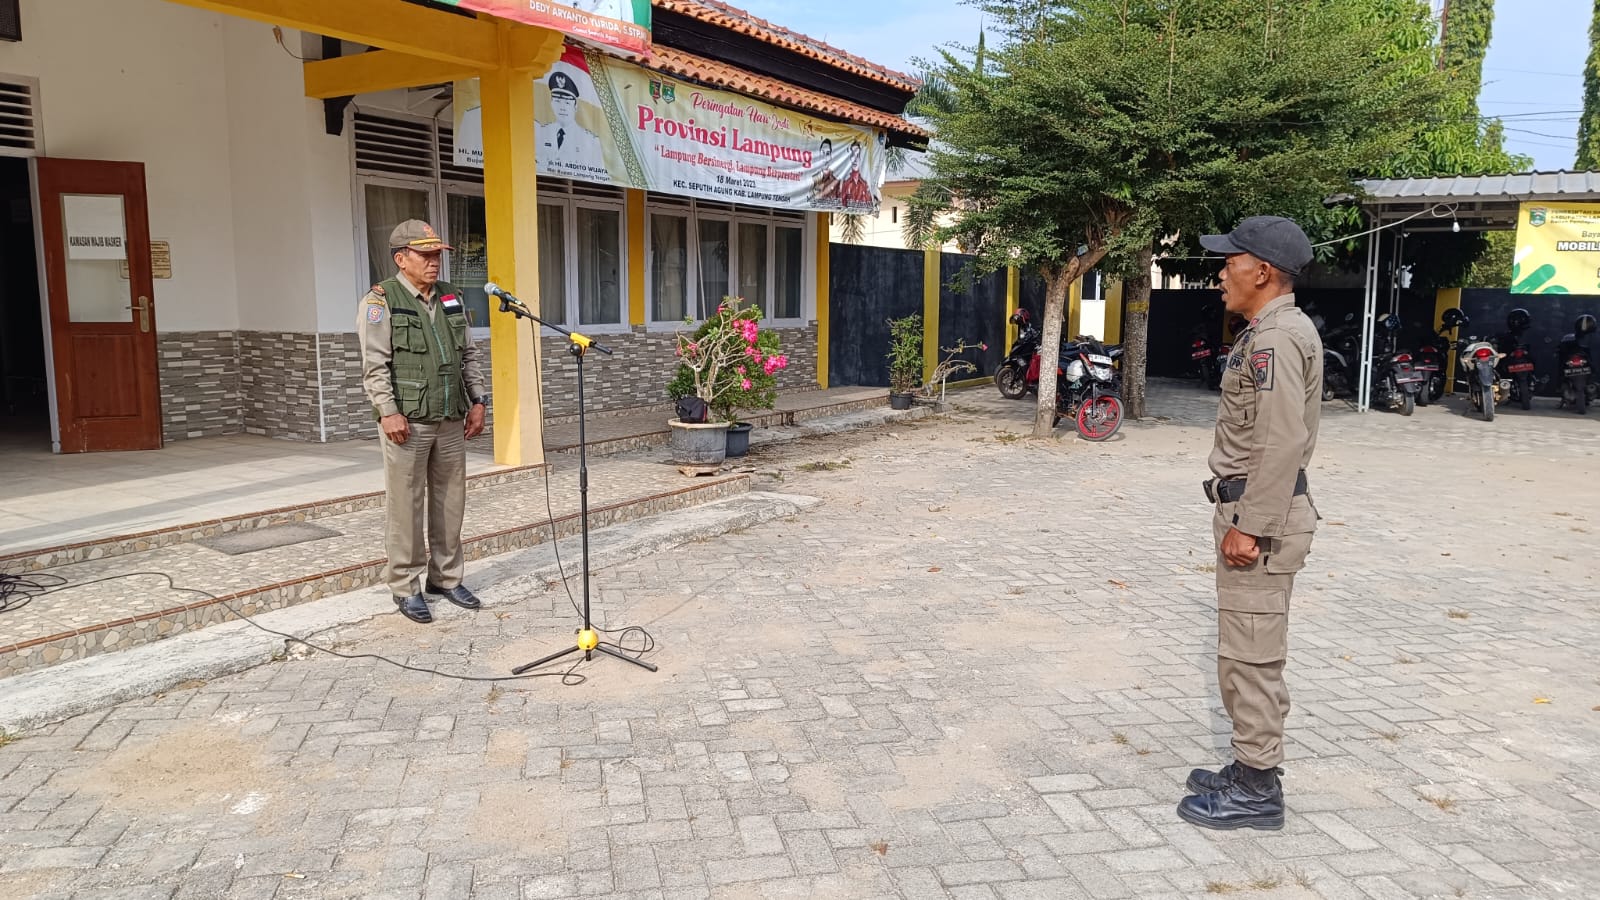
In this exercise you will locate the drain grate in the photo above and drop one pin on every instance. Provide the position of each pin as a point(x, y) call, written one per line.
point(254, 540)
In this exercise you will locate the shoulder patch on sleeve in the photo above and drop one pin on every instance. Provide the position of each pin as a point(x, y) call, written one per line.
point(378, 289)
point(375, 313)
point(1261, 366)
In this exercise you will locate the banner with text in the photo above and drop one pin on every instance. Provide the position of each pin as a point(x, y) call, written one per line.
point(1558, 249)
point(622, 24)
point(601, 120)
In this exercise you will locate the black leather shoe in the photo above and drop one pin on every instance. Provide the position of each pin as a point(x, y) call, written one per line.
point(414, 608)
point(1254, 799)
point(459, 595)
point(1204, 781)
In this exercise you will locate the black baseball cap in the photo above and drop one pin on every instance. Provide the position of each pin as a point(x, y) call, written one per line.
point(1272, 239)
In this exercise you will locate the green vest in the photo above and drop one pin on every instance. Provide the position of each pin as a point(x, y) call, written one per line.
point(425, 369)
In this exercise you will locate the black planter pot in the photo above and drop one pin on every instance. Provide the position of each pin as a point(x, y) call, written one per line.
point(899, 401)
point(738, 439)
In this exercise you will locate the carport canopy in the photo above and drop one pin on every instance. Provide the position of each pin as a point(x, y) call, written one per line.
point(1455, 203)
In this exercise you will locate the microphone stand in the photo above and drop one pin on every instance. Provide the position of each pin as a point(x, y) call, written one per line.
point(588, 638)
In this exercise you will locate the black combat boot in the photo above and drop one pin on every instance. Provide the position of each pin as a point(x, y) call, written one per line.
point(1254, 799)
point(1204, 781)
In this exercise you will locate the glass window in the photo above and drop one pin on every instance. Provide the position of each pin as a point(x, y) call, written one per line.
point(599, 266)
point(387, 207)
point(96, 230)
point(713, 264)
point(789, 266)
point(469, 262)
point(753, 263)
point(553, 263)
point(669, 267)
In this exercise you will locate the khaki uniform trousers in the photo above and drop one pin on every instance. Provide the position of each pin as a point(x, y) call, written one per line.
point(1253, 636)
point(426, 473)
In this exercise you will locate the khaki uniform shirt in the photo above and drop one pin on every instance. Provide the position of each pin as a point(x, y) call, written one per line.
point(1268, 416)
point(377, 349)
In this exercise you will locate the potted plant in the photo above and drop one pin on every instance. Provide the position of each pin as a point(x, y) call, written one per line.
point(728, 364)
point(905, 359)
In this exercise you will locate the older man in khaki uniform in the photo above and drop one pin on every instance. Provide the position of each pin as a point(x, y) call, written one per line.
point(421, 373)
point(1266, 431)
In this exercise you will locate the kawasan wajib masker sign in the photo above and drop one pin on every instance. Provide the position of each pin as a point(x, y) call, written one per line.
point(605, 121)
point(621, 24)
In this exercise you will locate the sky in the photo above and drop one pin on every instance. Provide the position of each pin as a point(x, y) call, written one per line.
point(1533, 74)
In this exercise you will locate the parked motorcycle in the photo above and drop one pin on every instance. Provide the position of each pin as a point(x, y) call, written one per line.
point(1206, 358)
point(1398, 383)
point(1517, 363)
point(1011, 377)
point(1339, 356)
point(1578, 388)
point(1477, 368)
point(1086, 390)
point(1429, 360)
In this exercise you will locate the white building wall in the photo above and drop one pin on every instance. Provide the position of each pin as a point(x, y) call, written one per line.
point(142, 81)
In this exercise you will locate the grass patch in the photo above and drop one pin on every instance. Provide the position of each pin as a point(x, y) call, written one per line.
point(1265, 882)
point(1221, 887)
point(7, 737)
point(1119, 738)
point(828, 466)
point(1459, 614)
point(1007, 437)
point(494, 693)
point(1301, 878)
point(1445, 804)
point(1389, 735)
point(1404, 660)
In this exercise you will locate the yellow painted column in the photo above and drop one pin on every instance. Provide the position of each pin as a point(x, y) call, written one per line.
point(1446, 298)
point(1013, 298)
point(1074, 310)
point(511, 205)
point(635, 252)
point(824, 295)
point(1113, 333)
point(930, 311)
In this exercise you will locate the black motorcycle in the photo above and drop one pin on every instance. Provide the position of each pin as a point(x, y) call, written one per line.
point(1517, 364)
point(1430, 361)
point(1340, 357)
point(1012, 375)
point(1398, 382)
point(1578, 388)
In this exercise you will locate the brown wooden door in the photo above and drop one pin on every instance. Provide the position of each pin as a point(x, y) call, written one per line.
point(96, 229)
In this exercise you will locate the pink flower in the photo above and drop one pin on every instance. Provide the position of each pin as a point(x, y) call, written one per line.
point(745, 384)
point(751, 351)
point(771, 365)
point(740, 370)
point(983, 346)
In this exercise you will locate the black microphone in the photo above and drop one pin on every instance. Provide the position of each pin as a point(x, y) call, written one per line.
point(508, 303)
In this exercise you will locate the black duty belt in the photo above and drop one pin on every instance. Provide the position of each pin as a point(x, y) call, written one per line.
point(1232, 490)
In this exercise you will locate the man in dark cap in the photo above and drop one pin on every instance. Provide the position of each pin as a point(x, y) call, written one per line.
point(564, 142)
point(1266, 430)
point(424, 378)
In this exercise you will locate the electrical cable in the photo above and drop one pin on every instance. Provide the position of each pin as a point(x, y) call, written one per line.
point(28, 588)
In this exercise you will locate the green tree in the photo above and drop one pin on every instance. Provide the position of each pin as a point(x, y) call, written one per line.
point(1098, 126)
point(1589, 126)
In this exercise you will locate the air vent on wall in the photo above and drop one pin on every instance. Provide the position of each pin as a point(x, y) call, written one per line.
point(10, 20)
point(386, 146)
point(19, 129)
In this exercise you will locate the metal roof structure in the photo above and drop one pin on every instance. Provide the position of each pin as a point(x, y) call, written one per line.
point(1478, 202)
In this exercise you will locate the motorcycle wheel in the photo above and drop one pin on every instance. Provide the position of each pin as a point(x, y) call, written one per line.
point(1011, 383)
point(1487, 403)
point(1328, 393)
point(1435, 389)
point(1100, 418)
point(1580, 387)
point(1525, 392)
point(1408, 404)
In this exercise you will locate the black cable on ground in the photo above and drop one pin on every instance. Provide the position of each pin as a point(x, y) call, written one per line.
point(17, 591)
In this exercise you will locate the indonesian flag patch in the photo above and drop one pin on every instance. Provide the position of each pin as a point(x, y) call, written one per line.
point(450, 302)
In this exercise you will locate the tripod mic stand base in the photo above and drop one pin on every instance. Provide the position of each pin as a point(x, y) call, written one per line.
point(588, 643)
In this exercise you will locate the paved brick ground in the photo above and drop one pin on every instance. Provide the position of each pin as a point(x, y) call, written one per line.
point(980, 669)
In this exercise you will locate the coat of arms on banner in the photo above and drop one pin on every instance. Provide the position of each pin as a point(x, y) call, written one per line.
point(1537, 216)
point(661, 90)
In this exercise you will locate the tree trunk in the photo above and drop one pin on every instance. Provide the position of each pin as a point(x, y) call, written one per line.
point(1058, 282)
point(1136, 335)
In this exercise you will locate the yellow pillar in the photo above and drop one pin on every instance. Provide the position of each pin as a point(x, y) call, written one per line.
point(930, 311)
point(1013, 298)
point(1113, 333)
point(1443, 300)
point(511, 207)
point(1075, 309)
point(824, 295)
point(635, 251)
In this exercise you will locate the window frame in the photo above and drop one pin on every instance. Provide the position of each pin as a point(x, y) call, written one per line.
point(734, 215)
point(559, 192)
